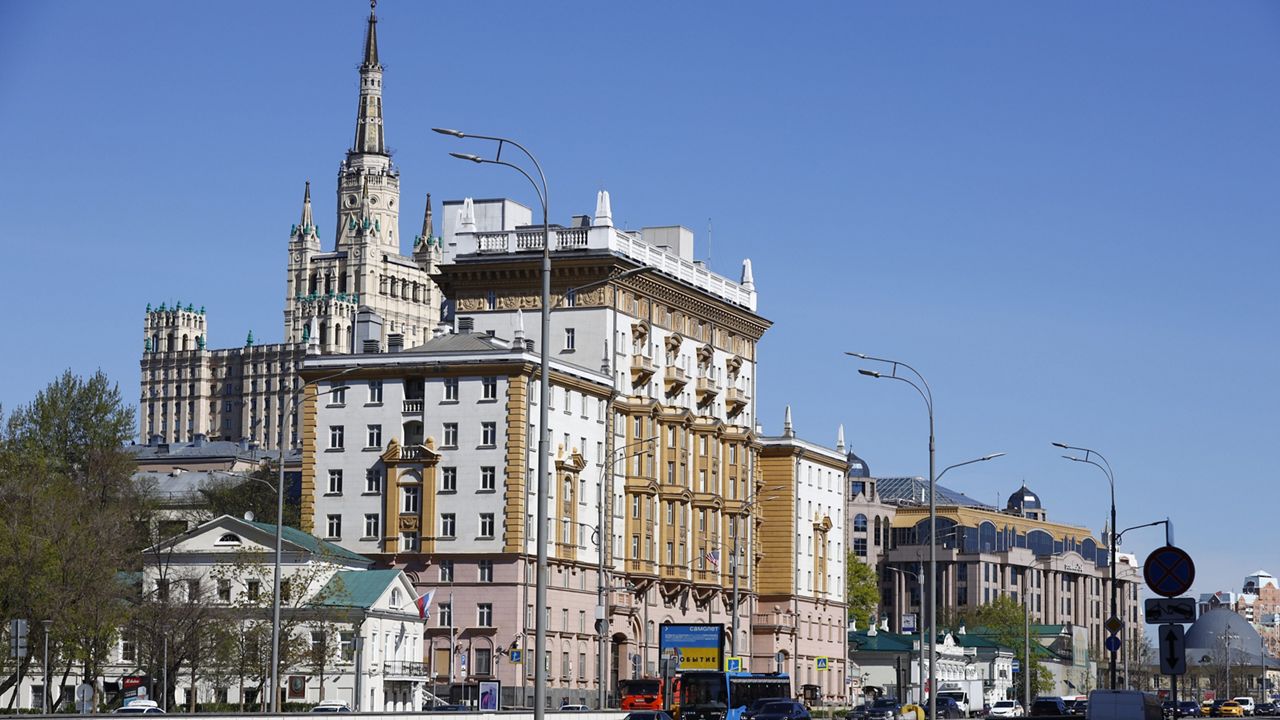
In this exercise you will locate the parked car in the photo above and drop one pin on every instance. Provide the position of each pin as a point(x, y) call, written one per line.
point(884, 709)
point(1231, 708)
point(647, 715)
point(759, 703)
point(1246, 703)
point(858, 713)
point(1077, 706)
point(947, 708)
point(1048, 707)
point(1007, 708)
point(331, 706)
point(1266, 708)
point(140, 707)
point(1189, 708)
point(450, 708)
point(783, 710)
point(573, 708)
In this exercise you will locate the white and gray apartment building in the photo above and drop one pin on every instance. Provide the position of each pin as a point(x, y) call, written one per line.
point(427, 459)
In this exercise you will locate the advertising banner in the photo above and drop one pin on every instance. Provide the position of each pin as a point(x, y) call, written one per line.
point(696, 646)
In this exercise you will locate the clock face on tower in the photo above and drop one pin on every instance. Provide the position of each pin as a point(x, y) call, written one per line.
point(352, 200)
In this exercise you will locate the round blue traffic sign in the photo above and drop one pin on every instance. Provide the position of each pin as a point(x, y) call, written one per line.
point(1112, 644)
point(1169, 571)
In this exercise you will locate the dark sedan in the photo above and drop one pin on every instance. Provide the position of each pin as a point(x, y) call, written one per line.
point(783, 710)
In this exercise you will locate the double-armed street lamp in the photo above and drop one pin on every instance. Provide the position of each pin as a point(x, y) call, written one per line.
point(1102, 464)
point(921, 386)
point(544, 399)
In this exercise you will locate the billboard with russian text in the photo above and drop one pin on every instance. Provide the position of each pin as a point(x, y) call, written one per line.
point(698, 646)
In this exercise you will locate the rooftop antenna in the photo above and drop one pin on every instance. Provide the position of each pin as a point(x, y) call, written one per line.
point(708, 243)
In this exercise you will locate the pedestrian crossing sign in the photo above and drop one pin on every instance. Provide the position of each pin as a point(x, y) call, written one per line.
point(821, 663)
point(515, 656)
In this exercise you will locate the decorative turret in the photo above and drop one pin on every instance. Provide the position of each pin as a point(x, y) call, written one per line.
point(467, 216)
point(305, 231)
point(787, 429)
point(840, 438)
point(748, 280)
point(604, 210)
point(426, 245)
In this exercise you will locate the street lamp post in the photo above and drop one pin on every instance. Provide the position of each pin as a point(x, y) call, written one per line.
point(737, 533)
point(275, 575)
point(44, 698)
point(919, 625)
point(926, 394)
point(602, 585)
point(1105, 467)
point(544, 399)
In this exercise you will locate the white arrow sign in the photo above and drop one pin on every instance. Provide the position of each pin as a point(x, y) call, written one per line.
point(1173, 650)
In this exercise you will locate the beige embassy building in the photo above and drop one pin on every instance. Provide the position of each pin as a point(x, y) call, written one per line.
point(190, 390)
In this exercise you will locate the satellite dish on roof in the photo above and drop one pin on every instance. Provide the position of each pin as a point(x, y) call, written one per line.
point(249, 515)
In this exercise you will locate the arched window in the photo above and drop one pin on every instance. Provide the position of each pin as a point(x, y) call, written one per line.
point(987, 537)
point(185, 340)
point(877, 532)
point(395, 597)
point(1040, 542)
point(228, 539)
point(1089, 550)
point(860, 523)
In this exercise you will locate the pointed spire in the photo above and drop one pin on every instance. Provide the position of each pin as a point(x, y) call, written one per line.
point(371, 39)
point(840, 438)
point(519, 334)
point(428, 225)
point(306, 226)
point(369, 137)
point(467, 216)
point(748, 280)
point(787, 429)
point(604, 210)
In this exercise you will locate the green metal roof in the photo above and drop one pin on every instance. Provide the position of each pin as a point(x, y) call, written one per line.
point(312, 543)
point(356, 588)
point(881, 642)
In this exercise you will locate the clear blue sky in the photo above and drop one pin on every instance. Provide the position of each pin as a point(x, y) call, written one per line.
point(1064, 214)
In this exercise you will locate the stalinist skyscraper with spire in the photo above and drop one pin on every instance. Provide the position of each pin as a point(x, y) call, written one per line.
point(191, 392)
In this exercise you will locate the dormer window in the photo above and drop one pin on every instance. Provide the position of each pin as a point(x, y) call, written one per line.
point(395, 597)
point(228, 539)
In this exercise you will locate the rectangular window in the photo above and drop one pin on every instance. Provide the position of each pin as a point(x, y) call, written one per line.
point(373, 481)
point(450, 435)
point(569, 338)
point(224, 591)
point(486, 525)
point(375, 391)
point(334, 526)
point(484, 662)
point(489, 388)
point(446, 571)
point(128, 650)
point(445, 612)
point(582, 666)
point(448, 479)
point(484, 615)
point(486, 571)
point(409, 500)
point(488, 477)
point(451, 389)
point(375, 436)
point(346, 646)
point(448, 525)
point(860, 547)
point(336, 437)
point(338, 396)
point(371, 525)
point(335, 482)
point(488, 433)
point(253, 588)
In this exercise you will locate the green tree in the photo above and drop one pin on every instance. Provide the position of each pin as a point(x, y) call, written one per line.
point(233, 495)
point(862, 589)
point(67, 498)
point(1004, 621)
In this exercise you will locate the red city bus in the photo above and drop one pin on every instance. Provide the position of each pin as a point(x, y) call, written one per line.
point(641, 693)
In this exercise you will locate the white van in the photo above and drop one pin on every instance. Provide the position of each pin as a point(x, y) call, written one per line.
point(1246, 703)
point(1123, 705)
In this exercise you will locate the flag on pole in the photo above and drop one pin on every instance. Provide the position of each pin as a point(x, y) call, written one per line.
point(713, 557)
point(424, 603)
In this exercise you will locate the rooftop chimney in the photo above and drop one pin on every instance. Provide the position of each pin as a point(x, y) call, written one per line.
point(368, 330)
point(466, 325)
point(395, 342)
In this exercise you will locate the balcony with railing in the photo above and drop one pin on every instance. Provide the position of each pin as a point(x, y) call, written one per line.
point(708, 388)
point(770, 623)
point(627, 244)
point(674, 379)
point(642, 368)
point(622, 602)
point(404, 670)
point(735, 400)
point(412, 406)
